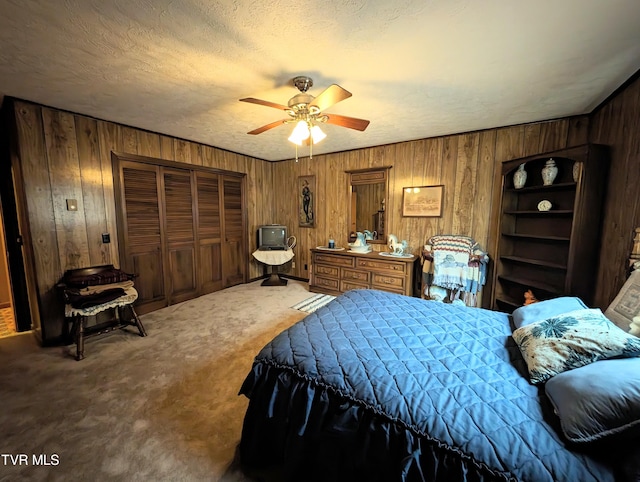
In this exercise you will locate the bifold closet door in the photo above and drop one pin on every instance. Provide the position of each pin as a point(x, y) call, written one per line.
point(209, 232)
point(142, 234)
point(182, 231)
point(180, 239)
point(234, 245)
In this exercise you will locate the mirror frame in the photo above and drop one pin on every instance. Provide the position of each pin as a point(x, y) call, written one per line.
point(372, 175)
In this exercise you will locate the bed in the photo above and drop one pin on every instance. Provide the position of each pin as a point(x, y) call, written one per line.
point(379, 387)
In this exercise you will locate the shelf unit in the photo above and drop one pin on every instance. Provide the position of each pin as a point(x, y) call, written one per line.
point(553, 253)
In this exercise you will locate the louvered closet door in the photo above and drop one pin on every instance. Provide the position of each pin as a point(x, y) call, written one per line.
point(233, 247)
point(142, 233)
point(209, 229)
point(180, 236)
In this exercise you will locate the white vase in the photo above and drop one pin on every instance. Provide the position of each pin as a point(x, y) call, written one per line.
point(576, 171)
point(520, 177)
point(549, 172)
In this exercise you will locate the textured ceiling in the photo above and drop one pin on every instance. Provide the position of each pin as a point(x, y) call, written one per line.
point(416, 68)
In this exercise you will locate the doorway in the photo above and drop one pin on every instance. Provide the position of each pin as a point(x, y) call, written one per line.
point(14, 295)
point(7, 314)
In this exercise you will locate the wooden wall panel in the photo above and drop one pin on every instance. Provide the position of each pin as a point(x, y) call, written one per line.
point(64, 173)
point(617, 124)
point(553, 135)
point(532, 138)
point(400, 177)
point(196, 154)
point(34, 171)
point(465, 186)
point(431, 176)
point(166, 148)
point(148, 144)
point(129, 138)
point(448, 179)
point(93, 199)
point(484, 188)
point(182, 151)
point(415, 158)
point(109, 142)
point(578, 131)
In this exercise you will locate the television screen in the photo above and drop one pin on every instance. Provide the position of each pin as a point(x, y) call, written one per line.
point(272, 236)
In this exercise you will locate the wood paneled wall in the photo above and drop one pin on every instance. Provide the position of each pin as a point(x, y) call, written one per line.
point(617, 124)
point(468, 165)
point(68, 156)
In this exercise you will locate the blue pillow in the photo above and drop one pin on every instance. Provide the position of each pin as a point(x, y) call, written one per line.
point(545, 309)
point(598, 401)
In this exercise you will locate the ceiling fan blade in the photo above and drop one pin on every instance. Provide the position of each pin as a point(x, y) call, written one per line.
point(260, 130)
point(266, 103)
point(344, 121)
point(330, 96)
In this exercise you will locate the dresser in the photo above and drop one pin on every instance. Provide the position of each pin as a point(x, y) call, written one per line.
point(334, 272)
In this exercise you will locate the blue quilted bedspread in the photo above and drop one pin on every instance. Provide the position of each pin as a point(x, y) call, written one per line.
point(427, 390)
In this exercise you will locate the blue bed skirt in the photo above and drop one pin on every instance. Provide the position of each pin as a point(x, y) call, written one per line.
point(310, 434)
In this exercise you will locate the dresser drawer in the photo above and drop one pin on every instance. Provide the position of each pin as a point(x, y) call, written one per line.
point(346, 261)
point(322, 269)
point(351, 285)
point(386, 282)
point(354, 275)
point(381, 265)
point(327, 283)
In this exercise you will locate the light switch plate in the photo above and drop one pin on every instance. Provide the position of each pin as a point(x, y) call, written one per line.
point(72, 204)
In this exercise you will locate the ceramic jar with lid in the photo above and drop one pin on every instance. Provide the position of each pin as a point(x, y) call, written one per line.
point(549, 172)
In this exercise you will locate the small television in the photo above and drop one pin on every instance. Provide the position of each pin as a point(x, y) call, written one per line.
point(272, 237)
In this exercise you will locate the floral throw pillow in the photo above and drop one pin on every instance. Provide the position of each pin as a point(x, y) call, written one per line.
point(572, 340)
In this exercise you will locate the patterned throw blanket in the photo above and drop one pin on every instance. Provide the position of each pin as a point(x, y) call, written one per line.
point(456, 263)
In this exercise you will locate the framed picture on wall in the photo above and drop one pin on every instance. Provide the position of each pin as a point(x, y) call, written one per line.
point(306, 201)
point(422, 201)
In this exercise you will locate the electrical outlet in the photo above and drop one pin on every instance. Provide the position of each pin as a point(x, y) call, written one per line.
point(106, 238)
point(293, 264)
point(72, 205)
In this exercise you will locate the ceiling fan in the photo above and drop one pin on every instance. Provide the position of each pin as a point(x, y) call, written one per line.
point(307, 111)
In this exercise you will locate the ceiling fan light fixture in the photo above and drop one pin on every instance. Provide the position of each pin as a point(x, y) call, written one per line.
point(316, 134)
point(300, 133)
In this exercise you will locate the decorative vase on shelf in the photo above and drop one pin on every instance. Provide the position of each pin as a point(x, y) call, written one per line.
point(520, 177)
point(576, 171)
point(549, 172)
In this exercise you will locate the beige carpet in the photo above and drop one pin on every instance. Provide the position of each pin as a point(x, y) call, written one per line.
point(164, 407)
point(7, 324)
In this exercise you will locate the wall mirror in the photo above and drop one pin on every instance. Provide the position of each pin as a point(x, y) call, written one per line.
point(368, 193)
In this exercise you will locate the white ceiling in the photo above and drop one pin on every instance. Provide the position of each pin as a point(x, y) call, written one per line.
point(416, 68)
